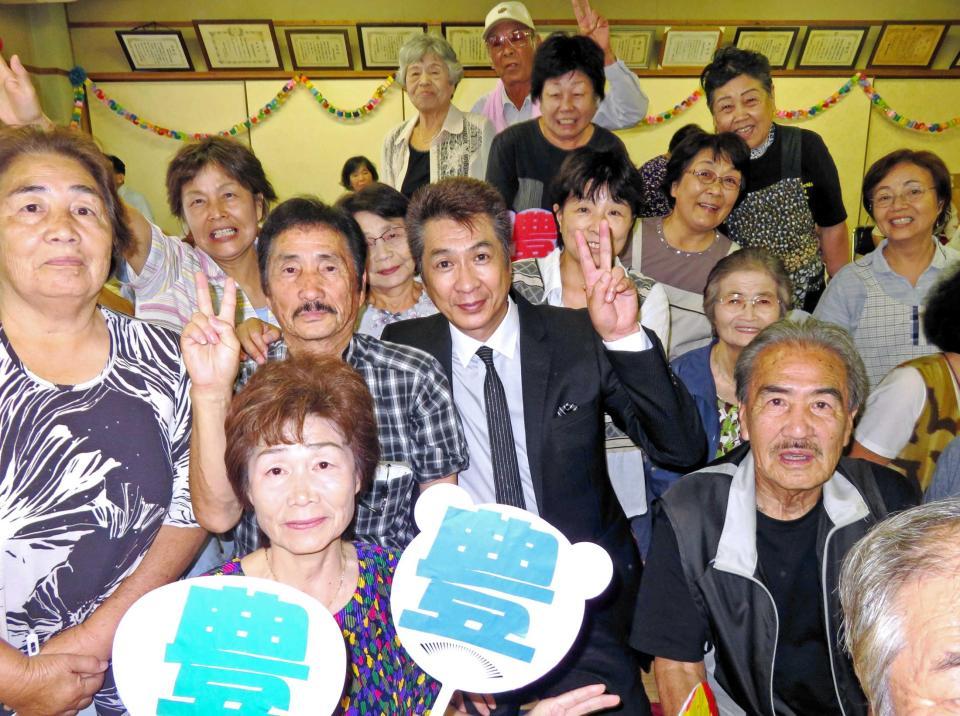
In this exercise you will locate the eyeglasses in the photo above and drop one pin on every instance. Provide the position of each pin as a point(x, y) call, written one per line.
point(515, 38)
point(709, 178)
point(760, 302)
point(911, 195)
point(391, 237)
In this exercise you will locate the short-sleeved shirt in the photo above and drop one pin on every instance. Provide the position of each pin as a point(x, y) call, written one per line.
point(88, 475)
point(417, 424)
point(165, 290)
point(818, 172)
point(523, 163)
point(383, 679)
point(673, 627)
point(843, 301)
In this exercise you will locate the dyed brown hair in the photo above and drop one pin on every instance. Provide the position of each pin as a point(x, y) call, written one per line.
point(273, 406)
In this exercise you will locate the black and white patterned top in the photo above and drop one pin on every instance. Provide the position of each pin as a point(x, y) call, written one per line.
point(88, 474)
point(418, 427)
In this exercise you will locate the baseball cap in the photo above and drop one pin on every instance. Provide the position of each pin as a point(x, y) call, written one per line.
point(512, 10)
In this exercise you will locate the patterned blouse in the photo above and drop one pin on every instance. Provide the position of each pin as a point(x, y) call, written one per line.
point(729, 427)
point(383, 677)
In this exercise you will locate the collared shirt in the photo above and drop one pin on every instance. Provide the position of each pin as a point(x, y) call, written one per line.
point(842, 302)
point(460, 148)
point(469, 373)
point(624, 104)
point(624, 459)
point(165, 291)
point(418, 429)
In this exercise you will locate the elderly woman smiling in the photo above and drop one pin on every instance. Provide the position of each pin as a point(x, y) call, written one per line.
point(94, 431)
point(440, 141)
point(301, 447)
point(568, 83)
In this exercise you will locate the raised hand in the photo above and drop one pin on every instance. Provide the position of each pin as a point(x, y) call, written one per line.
point(595, 26)
point(255, 338)
point(611, 296)
point(19, 104)
point(211, 349)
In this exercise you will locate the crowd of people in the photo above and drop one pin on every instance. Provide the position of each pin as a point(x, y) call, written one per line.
point(700, 377)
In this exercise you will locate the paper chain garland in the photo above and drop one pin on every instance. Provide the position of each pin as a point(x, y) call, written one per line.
point(79, 80)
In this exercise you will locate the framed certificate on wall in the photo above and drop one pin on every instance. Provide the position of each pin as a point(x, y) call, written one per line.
point(380, 44)
point(466, 39)
point(689, 48)
point(632, 45)
point(319, 49)
point(239, 44)
point(155, 50)
point(775, 43)
point(908, 45)
point(832, 47)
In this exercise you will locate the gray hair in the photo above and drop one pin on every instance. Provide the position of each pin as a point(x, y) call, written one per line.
point(917, 543)
point(748, 259)
point(418, 46)
point(809, 333)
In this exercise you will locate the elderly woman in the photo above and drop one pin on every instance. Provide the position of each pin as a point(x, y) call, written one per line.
point(794, 208)
point(393, 293)
point(358, 172)
point(216, 187)
point(596, 192)
point(302, 446)
point(568, 83)
point(879, 298)
point(439, 141)
point(745, 292)
point(704, 180)
point(915, 411)
point(94, 430)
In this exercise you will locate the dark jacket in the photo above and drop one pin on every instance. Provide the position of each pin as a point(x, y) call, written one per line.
point(564, 361)
point(713, 514)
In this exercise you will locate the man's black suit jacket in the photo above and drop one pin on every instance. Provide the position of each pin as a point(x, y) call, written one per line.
point(563, 361)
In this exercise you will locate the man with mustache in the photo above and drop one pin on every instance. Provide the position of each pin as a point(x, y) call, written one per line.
point(312, 267)
point(740, 588)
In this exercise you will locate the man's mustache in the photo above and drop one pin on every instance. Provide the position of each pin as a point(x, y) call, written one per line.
point(798, 444)
point(315, 307)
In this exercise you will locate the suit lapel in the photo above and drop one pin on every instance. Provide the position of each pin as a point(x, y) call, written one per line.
point(535, 357)
point(436, 341)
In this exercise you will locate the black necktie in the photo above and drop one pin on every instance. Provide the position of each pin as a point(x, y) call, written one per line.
point(503, 451)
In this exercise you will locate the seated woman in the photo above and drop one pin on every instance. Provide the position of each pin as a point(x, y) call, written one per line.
point(94, 430)
point(705, 178)
point(879, 298)
point(745, 292)
point(302, 446)
point(217, 188)
point(568, 83)
point(596, 192)
point(915, 411)
point(357, 173)
point(393, 292)
point(653, 200)
point(439, 141)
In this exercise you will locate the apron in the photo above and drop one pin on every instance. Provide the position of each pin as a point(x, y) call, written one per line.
point(888, 332)
point(778, 219)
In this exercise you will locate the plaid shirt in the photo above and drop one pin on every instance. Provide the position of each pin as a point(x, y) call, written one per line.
point(420, 436)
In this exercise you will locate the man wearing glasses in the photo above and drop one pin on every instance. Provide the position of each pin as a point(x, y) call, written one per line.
point(512, 40)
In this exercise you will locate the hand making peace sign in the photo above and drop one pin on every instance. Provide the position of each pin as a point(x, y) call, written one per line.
point(19, 104)
point(211, 349)
point(611, 295)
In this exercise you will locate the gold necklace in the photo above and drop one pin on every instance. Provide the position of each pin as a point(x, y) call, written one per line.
point(343, 573)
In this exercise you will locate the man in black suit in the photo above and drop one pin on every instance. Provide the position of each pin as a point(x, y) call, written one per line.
point(556, 371)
